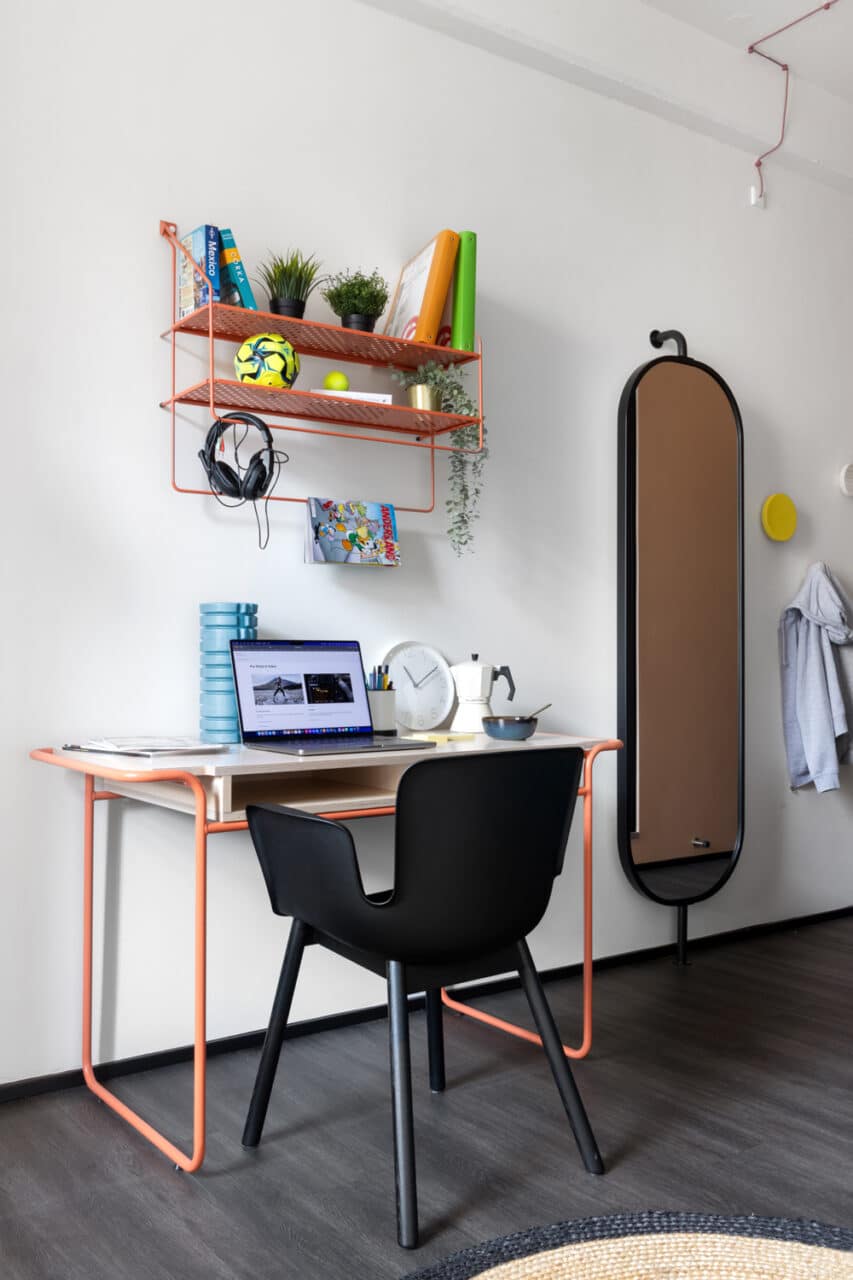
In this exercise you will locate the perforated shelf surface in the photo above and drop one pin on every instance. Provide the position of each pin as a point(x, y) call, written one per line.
point(312, 338)
point(230, 394)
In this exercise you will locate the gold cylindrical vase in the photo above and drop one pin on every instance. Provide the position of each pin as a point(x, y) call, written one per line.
point(422, 396)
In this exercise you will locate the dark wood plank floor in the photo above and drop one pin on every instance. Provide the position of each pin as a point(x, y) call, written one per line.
point(684, 879)
point(725, 1087)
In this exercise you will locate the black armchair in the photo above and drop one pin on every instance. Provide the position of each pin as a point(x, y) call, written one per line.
point(479, 841)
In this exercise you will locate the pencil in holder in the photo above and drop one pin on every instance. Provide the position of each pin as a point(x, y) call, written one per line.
point(383, 708)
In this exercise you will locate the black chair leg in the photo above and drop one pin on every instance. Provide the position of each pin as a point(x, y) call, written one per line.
point(435, 1040)
point(401, 1097)
point(553, 1047)
point(275, 1035)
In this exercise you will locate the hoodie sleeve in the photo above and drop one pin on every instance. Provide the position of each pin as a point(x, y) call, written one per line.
point(798, 769)
point(820, 708)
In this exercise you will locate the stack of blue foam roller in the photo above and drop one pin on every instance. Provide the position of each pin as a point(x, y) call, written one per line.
point(220, 624)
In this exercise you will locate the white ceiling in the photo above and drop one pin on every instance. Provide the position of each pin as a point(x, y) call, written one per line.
point(819, 50)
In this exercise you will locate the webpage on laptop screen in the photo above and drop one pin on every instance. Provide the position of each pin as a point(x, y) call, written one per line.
point(300, 689)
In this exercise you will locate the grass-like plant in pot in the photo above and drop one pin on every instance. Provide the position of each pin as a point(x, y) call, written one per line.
point(290, 281)
point(441, 387)
point(357, 299)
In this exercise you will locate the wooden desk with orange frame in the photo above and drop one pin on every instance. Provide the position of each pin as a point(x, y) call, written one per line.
point(215, 790)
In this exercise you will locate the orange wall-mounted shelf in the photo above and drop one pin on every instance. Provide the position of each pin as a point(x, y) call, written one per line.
point(415, 428)
point(230, 394)
point(326, 341)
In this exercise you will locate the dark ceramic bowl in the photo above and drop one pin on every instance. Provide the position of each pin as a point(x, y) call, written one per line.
point(510, 728)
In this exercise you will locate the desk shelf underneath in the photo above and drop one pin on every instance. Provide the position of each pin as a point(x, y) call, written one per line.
point(326, 791)
point(333, 790)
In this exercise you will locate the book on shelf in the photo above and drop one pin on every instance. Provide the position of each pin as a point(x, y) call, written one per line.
point(445, 324)
point(193, 292)
point(372, 397)
point(457, 325)
point(351, 533)
point(464, 293)
point(234, 287)
point(143, 746)
point(421, 291)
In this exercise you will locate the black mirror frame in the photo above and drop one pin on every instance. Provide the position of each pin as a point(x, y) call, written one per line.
point(626, 770)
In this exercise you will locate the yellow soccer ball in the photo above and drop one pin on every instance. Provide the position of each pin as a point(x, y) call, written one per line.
point(267, 360)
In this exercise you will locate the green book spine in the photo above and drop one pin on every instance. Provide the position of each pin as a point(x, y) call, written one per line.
point(465, 293)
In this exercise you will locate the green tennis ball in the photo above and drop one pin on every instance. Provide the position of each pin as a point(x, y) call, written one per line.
point(336, 381)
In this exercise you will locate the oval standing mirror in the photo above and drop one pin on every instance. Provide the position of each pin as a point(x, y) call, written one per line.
point(680, 630)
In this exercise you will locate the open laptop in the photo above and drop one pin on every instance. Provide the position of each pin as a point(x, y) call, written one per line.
point(306, 697)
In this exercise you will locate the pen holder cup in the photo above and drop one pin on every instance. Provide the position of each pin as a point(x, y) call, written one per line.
point(383, 710)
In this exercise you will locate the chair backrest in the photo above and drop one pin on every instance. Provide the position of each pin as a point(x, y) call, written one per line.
point(479, 841)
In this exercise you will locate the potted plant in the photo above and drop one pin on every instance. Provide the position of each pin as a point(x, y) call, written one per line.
point(445, 390)
point(289, 281)
point(423, 385)
point(357, 299)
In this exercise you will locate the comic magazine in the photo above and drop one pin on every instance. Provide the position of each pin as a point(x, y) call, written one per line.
point(351, 533)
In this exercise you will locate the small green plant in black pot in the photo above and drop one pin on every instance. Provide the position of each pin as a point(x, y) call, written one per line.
point(290, 281)
point(358, 300)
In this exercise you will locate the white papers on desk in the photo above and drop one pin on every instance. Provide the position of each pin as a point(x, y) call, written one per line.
point(145, 746)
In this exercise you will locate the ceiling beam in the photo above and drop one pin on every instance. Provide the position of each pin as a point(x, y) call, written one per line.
point(642, 57)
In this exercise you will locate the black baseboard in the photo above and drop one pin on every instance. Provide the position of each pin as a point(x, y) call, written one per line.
point(36, 1085)
point(184, 1053)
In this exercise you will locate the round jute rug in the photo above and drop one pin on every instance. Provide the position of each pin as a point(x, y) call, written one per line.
point(659, 1246)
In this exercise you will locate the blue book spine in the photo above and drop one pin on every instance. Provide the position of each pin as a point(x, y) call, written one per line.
point(211, 257)
point(234, 272)
point(202, 244)
point(246, 294)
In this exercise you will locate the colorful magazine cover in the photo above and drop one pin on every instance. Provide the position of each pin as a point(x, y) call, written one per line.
point(351, 533)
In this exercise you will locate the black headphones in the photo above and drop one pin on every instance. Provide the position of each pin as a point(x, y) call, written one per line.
point(248, 485)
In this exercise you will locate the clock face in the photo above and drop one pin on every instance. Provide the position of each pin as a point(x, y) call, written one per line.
point(423, 684)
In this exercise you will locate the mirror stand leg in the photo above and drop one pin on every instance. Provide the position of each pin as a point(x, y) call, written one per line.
point(681, 936)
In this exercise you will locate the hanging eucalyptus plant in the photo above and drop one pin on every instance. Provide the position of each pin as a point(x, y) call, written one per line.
point(465, 483)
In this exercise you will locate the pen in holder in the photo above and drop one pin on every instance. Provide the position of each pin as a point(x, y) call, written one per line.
point(383, 710)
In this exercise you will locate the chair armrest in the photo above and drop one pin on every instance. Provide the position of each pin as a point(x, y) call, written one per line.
point(310, 867)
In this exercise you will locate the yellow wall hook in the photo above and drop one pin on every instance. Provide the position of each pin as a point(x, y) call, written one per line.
point(779, 517)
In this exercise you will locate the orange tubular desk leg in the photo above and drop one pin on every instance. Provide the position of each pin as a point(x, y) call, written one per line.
point(189, 1163)
point(468, 1011)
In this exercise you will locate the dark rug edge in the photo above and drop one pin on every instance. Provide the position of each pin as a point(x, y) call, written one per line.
point(522, 1244)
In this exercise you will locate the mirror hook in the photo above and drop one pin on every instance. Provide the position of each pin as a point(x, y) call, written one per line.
point(658, 337)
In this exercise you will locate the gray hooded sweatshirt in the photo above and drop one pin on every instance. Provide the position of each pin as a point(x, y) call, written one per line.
point(814, 696)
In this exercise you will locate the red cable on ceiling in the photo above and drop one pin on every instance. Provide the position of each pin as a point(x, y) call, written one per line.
point(753, 48)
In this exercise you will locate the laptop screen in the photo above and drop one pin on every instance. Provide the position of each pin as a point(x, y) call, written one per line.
point(299, 688)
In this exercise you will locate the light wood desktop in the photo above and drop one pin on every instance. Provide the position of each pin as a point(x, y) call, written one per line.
point(215, 790)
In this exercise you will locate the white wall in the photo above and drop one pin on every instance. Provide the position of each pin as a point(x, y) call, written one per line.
point(355, 133)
